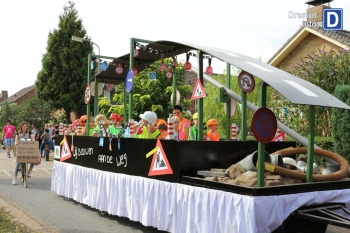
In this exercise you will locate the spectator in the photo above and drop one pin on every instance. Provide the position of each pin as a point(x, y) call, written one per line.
point(45, 137)
point(8, 137)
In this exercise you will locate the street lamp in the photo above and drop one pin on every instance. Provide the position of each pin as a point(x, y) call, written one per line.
point(81, 40)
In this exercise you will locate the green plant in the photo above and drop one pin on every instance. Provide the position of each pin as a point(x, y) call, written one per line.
point(341, 122)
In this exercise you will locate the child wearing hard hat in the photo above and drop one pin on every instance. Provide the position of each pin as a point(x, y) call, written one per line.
point(193, 132)
point(101, 124)
point(116, 125)
point(147, 130)
point(212, 135)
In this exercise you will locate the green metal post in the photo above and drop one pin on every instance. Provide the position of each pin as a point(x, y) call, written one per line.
point(131, 66)
point(173, 101)
point(243, 132)
point(96, 110)
point(228, 104)
point(310, 146)
point(200, 100)
point(261, 146)
point(125, 103)
point(88, 105)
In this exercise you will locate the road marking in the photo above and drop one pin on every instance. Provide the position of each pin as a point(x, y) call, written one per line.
point(7, 173)
point(46, 171)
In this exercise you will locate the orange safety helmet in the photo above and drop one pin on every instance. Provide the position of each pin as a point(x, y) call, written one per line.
point(212, 122)
point(82, 120)
point(116, 116)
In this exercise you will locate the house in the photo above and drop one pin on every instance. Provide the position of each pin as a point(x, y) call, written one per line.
point(309, 39)
point(19, 96)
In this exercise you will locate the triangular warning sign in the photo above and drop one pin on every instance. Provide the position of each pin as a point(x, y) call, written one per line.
point(160, 164)
point(198, 91)
point(65, 152)
point(281, 137)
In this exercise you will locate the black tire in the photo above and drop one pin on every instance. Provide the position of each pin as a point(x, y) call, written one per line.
point(23, 172)
point(298, 225)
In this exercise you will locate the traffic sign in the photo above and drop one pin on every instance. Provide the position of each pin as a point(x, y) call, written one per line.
point(129, 80)
point(198, 91)
point(119, 70)
point(65, 152)
point(246, 82)
point(281, 137)
point(160, 164)
point(264, 125)
point(169, 74)
point(152, 75)
point(187, 66)
point(136, 52)
point(209, 70)
point(87, 94)
point(162, 67)
point(104, 66)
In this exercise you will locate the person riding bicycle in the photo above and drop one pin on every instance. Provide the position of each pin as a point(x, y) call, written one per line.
point(23, 134)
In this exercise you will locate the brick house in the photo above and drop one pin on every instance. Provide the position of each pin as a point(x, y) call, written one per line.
point(19, 96)
point(308, 40)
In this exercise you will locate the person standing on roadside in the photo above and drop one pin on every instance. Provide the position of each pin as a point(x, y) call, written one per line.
point(8, 137)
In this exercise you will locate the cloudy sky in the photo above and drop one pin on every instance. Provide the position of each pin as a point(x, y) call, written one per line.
point(255, 28)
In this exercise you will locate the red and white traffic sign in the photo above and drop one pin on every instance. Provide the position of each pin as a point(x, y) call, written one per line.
point(162, 67)
point(136, 52)
point(187, 66)
point(209, 70)
point(87, 94)
point(169, 74)
point(160, 164)
point(119, 70)
point(264, 125)
point(198, 91)
point(246, 82)
point(280, 137)
point(65, 151)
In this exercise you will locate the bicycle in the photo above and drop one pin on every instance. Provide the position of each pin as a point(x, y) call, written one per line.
point(23, 167)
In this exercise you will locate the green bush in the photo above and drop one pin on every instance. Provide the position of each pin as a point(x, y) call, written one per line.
point(341, 122)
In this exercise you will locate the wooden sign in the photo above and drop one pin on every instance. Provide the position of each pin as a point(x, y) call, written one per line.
point(27, 151)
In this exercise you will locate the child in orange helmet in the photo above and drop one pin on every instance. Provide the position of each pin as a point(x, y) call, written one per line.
point(212, 134)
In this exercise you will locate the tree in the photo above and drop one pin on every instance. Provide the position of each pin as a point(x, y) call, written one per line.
point(149, 95)
point(63, 76)
point(323, 69)
point(341, 122)
point(32, 110)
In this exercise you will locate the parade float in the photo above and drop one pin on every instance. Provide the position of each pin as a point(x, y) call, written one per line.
point(177, 186)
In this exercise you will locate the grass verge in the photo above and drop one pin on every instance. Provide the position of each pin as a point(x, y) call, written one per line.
point(10, 226)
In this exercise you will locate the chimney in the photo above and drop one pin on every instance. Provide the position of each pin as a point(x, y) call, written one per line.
point(4, 94)
point(316, 7)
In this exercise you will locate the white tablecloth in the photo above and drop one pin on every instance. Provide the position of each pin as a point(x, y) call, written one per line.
point(176, 207)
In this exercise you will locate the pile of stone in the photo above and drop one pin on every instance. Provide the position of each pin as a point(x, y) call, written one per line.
point(237, 175)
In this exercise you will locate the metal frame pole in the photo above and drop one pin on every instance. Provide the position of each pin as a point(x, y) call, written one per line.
point(310, 146)
point(200, 100)
point(228, 104)
point(261, 146)
point(88, 105)
point(131, 66)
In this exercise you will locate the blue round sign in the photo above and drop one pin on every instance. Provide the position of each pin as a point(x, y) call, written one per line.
point(129, 80)
point(264, 125)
